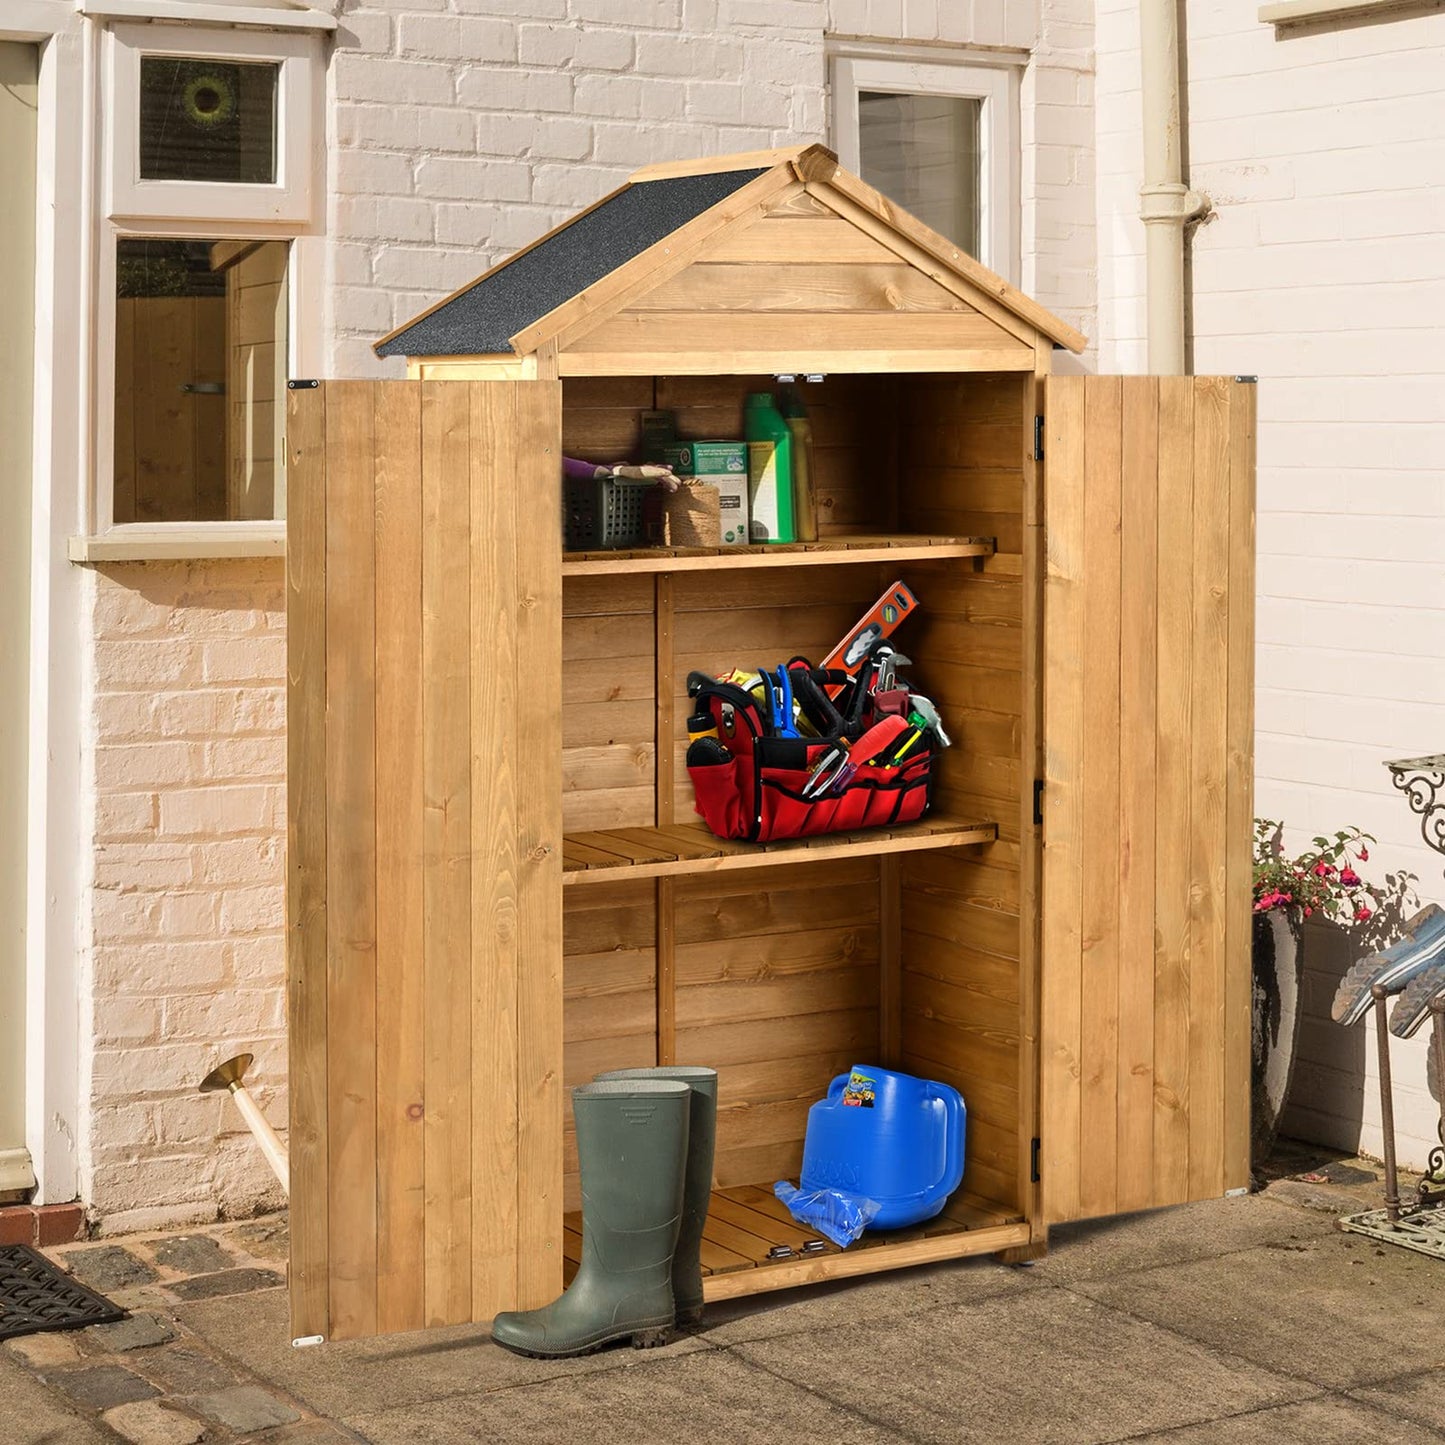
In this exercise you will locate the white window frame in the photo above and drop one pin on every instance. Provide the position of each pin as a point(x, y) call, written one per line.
point(995, 85)
point(290, 200)
point(202, 211)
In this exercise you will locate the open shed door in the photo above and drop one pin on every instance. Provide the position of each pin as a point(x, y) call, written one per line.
point(1147, 804)
point(424, 594)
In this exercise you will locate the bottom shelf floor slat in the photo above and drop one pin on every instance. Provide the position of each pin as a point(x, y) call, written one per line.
point(748, 1221)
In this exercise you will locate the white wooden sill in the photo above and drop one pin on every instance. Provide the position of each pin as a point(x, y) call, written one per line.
point(180, 541)
point(1307, 12)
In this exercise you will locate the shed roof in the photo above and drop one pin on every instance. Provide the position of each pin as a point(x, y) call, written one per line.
point(547, 289)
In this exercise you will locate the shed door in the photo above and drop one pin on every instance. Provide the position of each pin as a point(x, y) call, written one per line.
point(424, 852)
point(1147, 805)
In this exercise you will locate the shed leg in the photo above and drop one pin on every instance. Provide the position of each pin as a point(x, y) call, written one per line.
point(1024, 1253)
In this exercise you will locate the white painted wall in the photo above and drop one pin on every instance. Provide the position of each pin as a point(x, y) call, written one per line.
point(1324, 273)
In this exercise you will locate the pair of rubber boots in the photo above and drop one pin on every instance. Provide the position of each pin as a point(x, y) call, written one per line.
point(644, 1151)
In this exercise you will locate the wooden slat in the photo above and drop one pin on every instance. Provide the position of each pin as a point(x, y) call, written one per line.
point(534, 732)
point(798, 241)
point(820, 285)
point(1240, 799)
point(1099, 1016)
point(351, 863)
point(839, 550)
point(1173, 795)
point(400, 1043)
point(1138, 630)
point(934, 832)
point(306, 916)
point(1209, 766)
point(1065, 641)
point(497, 695)
point(447, 838)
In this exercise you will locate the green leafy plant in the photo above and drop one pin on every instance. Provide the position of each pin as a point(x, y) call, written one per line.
point(1321, 880)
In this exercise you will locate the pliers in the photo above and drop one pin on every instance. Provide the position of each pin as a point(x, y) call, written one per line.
point(779, 689)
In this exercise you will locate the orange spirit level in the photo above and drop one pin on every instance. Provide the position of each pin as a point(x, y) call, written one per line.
point(880, 621)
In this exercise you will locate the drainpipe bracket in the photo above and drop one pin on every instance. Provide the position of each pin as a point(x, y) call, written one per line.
point(1172, 203)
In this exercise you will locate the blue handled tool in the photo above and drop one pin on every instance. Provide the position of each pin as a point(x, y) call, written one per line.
point(779, 689)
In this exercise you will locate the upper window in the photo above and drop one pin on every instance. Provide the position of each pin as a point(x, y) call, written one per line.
point(211, 124)
point(938, 140)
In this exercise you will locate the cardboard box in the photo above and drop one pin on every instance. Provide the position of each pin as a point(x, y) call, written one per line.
point(725, 466)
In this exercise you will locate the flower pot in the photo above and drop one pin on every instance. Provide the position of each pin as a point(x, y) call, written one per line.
point(1278, 972)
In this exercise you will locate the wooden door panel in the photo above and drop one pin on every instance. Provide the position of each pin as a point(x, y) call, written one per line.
point(1148, 716)
point(424, 834)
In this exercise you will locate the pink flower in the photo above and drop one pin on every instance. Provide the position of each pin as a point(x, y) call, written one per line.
point(1323, 869)
point(1361, 914)
point(1349, 878)
point(1364, 854)
point(1308, 911)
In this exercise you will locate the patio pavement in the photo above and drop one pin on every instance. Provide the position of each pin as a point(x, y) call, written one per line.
point(1235, 1321)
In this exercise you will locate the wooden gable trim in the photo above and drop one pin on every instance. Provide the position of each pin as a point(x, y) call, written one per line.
point(926, 238)
point(580, 313)
point(806, 160)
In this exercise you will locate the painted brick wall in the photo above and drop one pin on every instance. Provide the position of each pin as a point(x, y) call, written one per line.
point(187, 902)
point(1323, 273)
point(458, 131)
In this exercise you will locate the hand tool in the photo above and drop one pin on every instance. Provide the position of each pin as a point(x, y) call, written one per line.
point(779, 690)
point(889, 660)
point(826, 770)
point(925, 709)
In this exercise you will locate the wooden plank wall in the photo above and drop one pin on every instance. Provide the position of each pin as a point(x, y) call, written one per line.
point(777, 988)
point(256, 311)
point(959, 1007)
point(170, 445)
point(425, 1058)
point(1148, 708)
point(609, 982)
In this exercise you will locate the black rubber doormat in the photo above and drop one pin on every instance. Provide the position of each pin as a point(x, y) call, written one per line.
point(36, 1296)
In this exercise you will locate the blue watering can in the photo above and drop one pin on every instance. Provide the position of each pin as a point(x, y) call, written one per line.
point(889, 1137)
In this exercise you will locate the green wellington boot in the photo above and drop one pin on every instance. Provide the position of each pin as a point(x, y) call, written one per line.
point(632, 1156)
point(702, 1135)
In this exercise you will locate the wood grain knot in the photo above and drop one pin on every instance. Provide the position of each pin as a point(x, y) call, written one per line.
point(415, 1111)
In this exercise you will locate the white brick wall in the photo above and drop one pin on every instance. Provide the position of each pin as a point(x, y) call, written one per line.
point(458, 130)
point(1323, 272)
point(186, 913)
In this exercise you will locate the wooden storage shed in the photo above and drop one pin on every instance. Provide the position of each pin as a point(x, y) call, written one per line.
point(498, 885)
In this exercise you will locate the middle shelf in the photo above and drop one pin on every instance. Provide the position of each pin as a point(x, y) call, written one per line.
point(617, 854)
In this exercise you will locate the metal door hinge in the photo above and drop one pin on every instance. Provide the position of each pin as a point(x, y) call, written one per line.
point(299, 385)
point(1038, 802)
point(1248, 380)
point(1034, 1162)
point(1038, 438)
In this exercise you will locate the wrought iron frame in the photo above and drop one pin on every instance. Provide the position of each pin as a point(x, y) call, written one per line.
point(1422, 780)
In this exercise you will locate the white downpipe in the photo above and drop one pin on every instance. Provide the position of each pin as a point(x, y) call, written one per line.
point(1166, 204)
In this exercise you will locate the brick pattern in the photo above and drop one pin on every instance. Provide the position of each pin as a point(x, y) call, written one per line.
point(41, 1225)
point(187, 905)
point(1322, 272)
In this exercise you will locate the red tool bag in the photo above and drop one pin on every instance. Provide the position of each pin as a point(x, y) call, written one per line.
point(763, 787)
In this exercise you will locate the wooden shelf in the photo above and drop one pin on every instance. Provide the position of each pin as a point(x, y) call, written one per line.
point(746, 1222)
point(828, 553)
point(617, 854)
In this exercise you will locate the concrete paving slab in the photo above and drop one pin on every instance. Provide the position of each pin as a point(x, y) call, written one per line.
point(244, 1409)
point(392, 1372)
point(870, 1300)
point(108, 1267)
point(1048, 1366)
point(1102, 1247)
point(191, 1254)
point(1339, 1311)
point(149, 1422)
point(1330, 1420)
point(32, 1414)
point(228, 1282)
point(1418, 1398)
point(703, 1397)
point(139, 1332)
point(101, 1386)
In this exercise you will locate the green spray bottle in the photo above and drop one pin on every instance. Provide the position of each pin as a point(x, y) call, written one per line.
point(770, 470)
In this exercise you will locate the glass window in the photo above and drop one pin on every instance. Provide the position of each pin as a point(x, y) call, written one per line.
point(207, 120)
point(922, 151)
point(200, 380)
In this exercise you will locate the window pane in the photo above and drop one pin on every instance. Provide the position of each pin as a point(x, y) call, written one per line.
point(206, 120)
point(923, 152)
point(200, 380)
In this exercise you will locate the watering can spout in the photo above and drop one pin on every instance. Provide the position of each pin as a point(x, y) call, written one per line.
point(231, 1076)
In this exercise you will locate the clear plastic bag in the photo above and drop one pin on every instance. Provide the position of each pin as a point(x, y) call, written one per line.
point(842, 1217)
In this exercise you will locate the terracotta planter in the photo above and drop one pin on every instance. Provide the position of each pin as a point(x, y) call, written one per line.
point(1277, 978)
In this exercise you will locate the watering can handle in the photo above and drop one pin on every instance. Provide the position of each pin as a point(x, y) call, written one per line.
point(953, 1121)
point(835, 1089)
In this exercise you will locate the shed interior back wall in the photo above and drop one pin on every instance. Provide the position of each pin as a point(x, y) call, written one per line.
point(785, 977)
